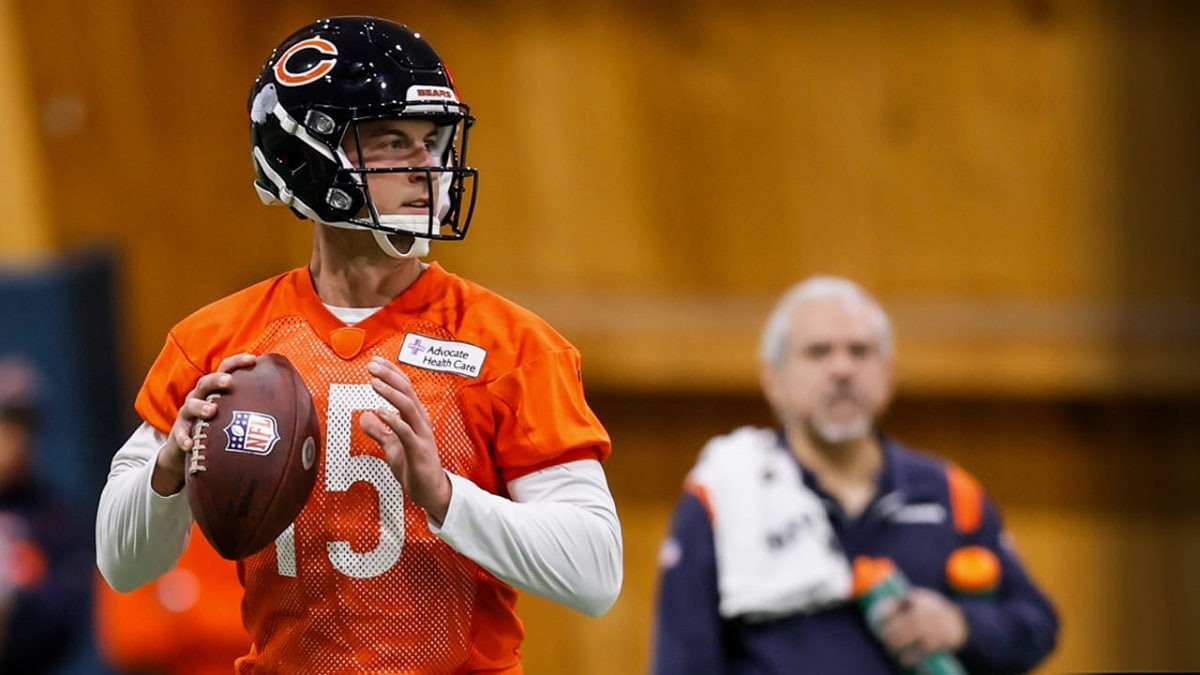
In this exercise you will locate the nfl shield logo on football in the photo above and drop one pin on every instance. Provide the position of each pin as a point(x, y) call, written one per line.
point(252, 432)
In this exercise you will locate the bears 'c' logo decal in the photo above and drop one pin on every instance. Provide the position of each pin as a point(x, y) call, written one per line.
point(292, 79)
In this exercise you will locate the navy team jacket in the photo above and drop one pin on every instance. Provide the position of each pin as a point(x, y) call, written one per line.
point(1011, 630)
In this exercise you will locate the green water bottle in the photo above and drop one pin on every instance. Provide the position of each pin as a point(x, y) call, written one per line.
point(879, 586)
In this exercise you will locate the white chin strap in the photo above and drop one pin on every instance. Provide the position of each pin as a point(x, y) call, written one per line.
point(418, 249)
point(403, 225)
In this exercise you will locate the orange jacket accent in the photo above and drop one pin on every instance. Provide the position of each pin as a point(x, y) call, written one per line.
point(966, 499)
point(973, 570)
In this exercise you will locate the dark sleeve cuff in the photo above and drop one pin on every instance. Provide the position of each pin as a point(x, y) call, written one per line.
point(1006, 637)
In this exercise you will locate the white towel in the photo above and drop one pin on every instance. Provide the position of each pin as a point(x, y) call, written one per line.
point(776, 551)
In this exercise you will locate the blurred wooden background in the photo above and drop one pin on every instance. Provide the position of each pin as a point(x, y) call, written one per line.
point(1015, 179)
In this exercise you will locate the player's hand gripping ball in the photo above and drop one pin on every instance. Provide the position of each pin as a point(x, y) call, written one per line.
point(254, 464)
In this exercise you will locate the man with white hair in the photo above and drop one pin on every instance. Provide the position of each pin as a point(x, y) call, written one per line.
point(757, 573)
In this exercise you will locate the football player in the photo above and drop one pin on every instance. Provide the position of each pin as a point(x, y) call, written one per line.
point(461, 461)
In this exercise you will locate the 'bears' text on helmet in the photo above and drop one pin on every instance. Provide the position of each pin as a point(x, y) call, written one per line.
point(310, 96)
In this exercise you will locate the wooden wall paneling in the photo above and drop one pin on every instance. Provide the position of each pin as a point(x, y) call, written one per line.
point(964, 155)
point(146, 135)
point(1158, 84)
point(918, 199)
point(26, 233)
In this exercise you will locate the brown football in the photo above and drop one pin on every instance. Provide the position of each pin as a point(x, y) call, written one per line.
point(254, 464)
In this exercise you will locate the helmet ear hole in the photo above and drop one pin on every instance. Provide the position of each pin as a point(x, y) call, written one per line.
point(288, 161)
point(291, 157)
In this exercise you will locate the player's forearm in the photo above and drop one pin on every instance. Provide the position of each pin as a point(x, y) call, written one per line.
point(139, 534)
point(561, 539)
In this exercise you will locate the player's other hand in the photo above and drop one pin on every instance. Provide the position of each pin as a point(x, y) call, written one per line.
point(406, 436)
point(168, 478)
point(925, 622)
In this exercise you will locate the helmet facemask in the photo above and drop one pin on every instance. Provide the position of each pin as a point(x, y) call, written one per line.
point(447, 184)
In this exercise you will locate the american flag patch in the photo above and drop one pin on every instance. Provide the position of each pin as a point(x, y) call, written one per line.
point(252, 432)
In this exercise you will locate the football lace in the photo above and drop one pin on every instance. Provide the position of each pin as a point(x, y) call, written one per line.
point(198, 437)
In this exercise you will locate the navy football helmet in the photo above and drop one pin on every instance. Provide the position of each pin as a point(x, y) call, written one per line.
point(310, 96)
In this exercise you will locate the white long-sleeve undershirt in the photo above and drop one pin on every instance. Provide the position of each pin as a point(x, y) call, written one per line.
point(558, 537)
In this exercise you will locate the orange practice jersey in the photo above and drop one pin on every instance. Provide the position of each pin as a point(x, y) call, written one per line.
point(358, 583)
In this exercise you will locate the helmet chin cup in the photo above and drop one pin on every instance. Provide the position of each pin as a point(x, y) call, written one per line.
point(418, 228)
point(419, 248)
